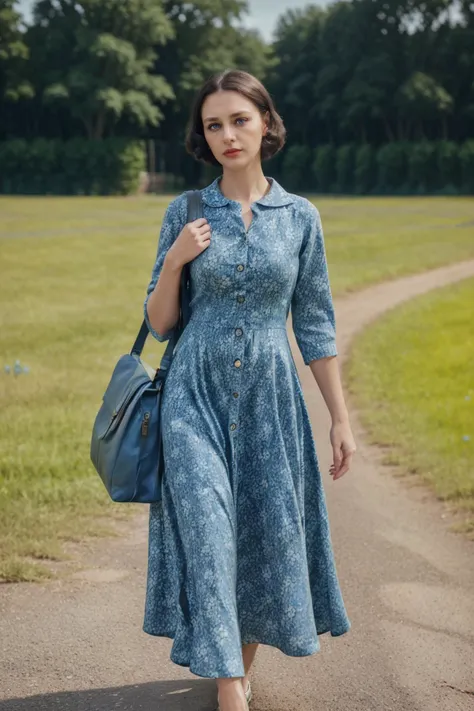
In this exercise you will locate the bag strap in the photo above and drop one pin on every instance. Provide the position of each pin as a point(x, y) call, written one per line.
point(194, 211)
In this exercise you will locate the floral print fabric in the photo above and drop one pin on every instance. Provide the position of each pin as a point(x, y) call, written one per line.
point(239, 548)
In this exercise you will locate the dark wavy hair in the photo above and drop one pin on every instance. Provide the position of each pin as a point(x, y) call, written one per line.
point(250, 87)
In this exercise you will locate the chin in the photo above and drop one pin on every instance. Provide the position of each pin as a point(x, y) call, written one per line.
point(237, 163)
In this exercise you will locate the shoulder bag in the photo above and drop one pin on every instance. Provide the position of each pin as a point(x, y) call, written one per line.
point(126, 445)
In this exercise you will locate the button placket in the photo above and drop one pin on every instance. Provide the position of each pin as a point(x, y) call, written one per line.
point(237, 364)
point(240, 267)
point(236, 380)
point(238, 353)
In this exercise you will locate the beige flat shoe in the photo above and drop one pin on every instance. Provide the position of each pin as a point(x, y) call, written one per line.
point(248, 696)
point(248, 693)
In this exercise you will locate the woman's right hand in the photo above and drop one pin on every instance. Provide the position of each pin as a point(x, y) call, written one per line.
point(193, 239)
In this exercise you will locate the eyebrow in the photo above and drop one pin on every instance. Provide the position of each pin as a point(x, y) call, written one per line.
point(216, 118)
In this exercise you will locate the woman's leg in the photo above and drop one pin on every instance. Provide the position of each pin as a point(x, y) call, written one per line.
point(248, 654)
point(231, 694)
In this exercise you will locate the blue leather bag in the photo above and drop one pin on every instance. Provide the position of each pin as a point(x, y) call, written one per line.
point(126, 446)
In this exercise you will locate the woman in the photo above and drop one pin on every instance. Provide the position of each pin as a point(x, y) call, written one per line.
point(240, 551)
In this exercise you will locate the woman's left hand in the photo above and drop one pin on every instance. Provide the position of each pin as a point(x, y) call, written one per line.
point(343, 446)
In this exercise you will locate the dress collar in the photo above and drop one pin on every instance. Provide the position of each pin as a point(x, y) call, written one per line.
point(275, 197)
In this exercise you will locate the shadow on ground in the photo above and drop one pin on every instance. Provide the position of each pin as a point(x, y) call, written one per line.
point(185, 695)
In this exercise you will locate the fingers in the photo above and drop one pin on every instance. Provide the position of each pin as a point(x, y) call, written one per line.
point(341, 463)
point(200, 222)
point(345, 466)
point(203, 238)
point(200, 229)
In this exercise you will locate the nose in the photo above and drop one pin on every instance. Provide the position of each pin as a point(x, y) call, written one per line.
point(228, 133)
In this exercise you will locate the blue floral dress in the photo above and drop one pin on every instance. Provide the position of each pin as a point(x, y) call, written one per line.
point(239, 548)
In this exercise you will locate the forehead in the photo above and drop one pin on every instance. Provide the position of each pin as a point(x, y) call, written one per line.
point(224, 103)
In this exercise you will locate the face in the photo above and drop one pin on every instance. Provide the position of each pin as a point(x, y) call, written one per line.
point(231, 121)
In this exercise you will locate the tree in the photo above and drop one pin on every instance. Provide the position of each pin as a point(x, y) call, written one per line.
point(421, 98)
point(96, 58)
point(292, 80)
point(207, 39)
point(13, 55)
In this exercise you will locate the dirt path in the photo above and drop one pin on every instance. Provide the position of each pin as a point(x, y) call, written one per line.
point(408, 584)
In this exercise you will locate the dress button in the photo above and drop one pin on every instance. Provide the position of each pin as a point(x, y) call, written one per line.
point(238, 332)
point(237, 363)
point(240, 267)
point(241, 299)
point(235, 394)
point(233, 426)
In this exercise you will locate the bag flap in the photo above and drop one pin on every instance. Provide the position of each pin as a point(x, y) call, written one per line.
point(128, 378)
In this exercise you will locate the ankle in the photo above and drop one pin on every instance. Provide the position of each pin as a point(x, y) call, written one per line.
point(231, 695)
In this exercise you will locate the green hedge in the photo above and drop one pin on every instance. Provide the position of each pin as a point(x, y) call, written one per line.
point(112, 167)
point(345, 164)
point(365, 174)
point(399, 168)
point(295, 166)
point(76, 167)
point(324, 168)
point(466, 158)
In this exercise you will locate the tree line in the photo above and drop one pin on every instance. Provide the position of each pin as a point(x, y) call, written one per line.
point(359, 80)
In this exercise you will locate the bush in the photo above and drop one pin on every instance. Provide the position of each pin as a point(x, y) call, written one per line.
point(422, 173)
point(345, 165)
point(365, 170)
point(466, 156)
point(125, 162)
point(324, 168)
point(13, 157)
point(295, 167)
point(392, 168)
point(75, 167)
point(448, 167)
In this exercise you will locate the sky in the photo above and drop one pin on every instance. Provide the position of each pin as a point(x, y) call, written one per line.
point(263, 13)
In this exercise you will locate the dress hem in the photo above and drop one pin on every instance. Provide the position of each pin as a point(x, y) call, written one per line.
point(250, 640)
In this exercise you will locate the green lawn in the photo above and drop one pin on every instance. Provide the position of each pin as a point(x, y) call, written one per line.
point(73, 276)
point(373, 239)
point(412, 374)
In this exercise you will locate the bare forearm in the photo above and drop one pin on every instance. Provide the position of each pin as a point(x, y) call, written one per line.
point(327, 375)
point(163, 304)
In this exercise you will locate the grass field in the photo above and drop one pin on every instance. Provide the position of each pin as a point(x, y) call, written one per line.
point(412, 374)
point(73, 277)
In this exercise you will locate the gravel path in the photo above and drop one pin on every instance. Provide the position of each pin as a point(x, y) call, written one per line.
point(76, 644)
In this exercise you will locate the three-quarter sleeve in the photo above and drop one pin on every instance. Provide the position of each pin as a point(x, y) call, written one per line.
point(312, 309)
point(173, 222)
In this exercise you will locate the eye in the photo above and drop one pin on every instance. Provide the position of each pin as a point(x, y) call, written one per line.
point(242, 118)
point(209, 128)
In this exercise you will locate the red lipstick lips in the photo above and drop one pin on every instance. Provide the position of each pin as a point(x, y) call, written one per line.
point(232, 152)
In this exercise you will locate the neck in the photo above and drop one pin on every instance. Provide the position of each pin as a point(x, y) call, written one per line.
point(246, 185)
